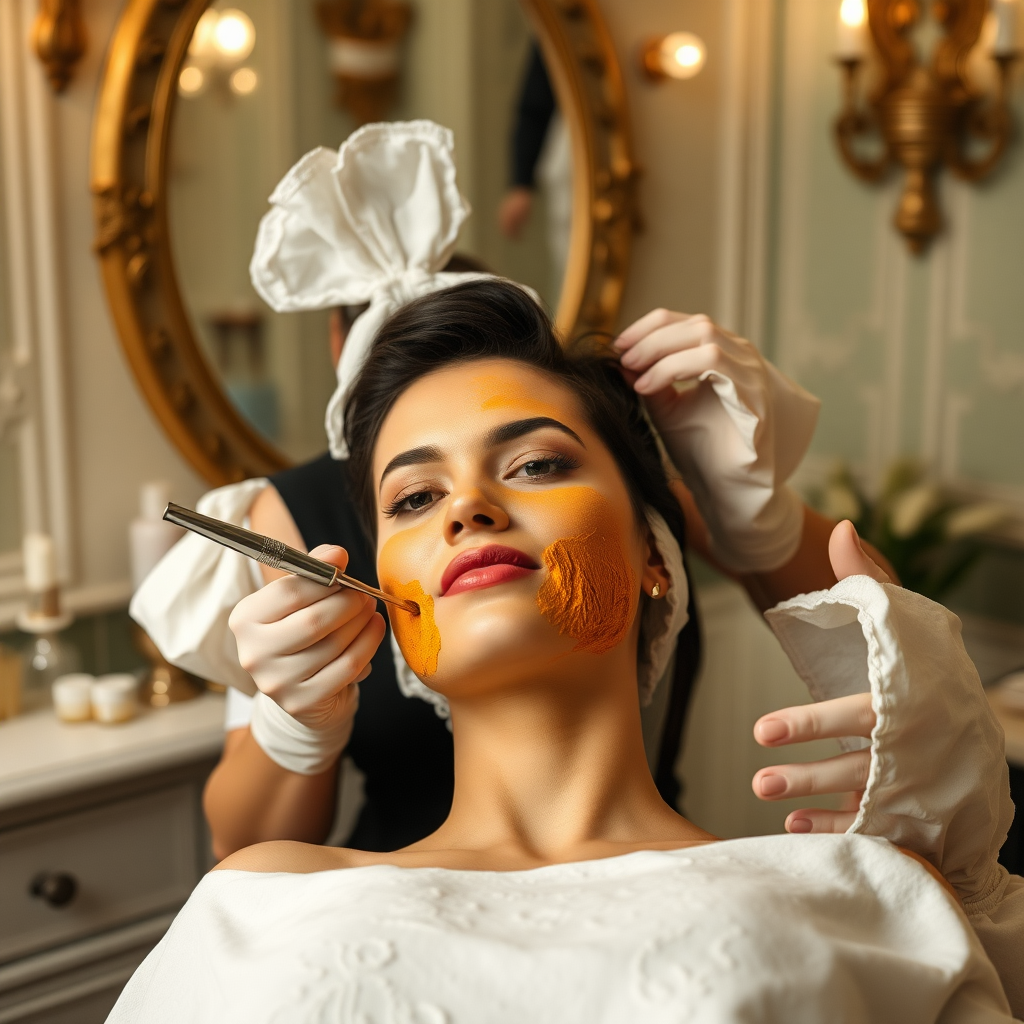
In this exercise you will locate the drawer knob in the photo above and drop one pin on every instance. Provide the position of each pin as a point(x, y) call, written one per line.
point(57, 888)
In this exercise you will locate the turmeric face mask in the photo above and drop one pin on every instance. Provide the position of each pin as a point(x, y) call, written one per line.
point(497, 455)
point(589, 593)
point(417, 635)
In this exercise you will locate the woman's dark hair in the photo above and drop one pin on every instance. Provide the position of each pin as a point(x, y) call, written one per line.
point(498, 320)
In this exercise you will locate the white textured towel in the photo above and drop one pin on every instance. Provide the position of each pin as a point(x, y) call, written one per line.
point(770, 930)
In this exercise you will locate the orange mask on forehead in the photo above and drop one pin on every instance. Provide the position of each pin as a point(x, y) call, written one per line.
point(493, 391)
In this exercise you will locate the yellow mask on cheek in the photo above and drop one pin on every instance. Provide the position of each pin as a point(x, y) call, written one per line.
point(417, 635)
point(588, 593)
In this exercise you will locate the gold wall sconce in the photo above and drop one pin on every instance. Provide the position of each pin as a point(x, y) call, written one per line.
point(365, 39)
point(59, 39)
point(923, 116)
point(677, 55)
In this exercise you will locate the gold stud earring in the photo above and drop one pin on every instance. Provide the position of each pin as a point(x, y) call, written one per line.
point(655, 590)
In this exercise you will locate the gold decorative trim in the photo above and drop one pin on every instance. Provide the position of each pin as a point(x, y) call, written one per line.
point(926, 116)
point(59, 39)
point(131, 132)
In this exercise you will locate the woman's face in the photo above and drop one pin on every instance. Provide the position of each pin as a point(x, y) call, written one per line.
point(503, 515)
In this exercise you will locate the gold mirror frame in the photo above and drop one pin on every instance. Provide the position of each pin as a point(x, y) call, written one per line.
point(131, 135)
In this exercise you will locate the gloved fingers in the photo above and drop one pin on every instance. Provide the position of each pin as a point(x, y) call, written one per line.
point(332, 646)
point(852, 715)
point(663, 341)
point(817, 820)
point(281, 597)
point(263, 627)
point(301, 701)
point(843, 773)
point(276, 673)
point(308, 626)
point(647, 323)
point(680, 366)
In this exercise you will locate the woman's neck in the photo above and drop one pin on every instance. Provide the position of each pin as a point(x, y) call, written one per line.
point(554, 769)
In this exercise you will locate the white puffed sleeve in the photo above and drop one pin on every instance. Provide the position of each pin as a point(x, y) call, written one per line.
point(938, 781)
point(184, 603)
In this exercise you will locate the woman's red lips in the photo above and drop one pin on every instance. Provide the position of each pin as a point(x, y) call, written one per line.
point(484, 567)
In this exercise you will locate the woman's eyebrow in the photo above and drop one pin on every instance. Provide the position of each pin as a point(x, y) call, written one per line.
point(517, 428)
point(413, 457)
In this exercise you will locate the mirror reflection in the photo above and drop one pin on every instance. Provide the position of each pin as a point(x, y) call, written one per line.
point(262, 84)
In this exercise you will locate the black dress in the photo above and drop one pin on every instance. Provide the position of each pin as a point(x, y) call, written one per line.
point(399, 743)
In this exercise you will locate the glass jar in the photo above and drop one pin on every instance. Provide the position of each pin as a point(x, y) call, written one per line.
point(47, 656)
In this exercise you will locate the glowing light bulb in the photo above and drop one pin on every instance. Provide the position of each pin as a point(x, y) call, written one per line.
point(191, 80)
point(687, 56)
point(234, 36)
point(243, 81)
point(851, 34)
point(201, 46)
point(681, 55)
point(853, 13)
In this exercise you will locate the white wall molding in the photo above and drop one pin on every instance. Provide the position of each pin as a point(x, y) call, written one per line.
point(36, 290)
point(744, 159)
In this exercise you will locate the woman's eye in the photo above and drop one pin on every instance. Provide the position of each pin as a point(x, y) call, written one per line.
point(551, 465)
point(410, 503)
point(421, 499)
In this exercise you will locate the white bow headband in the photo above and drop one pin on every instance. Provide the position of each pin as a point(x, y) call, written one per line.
point(374, 222)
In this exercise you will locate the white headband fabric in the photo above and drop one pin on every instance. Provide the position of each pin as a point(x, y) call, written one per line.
point(374, 222)
point(663, 621)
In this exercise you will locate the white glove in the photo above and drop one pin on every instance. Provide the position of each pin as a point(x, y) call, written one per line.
point(937, 782)
point(736, 438)
point(306, 649)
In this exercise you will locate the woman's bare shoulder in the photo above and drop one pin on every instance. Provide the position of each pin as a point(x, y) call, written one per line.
point(292, 857)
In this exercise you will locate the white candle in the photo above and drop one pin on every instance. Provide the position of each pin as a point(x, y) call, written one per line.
point(149, 537)
point(851, 34)
point(1006, 27)
point(40, 562)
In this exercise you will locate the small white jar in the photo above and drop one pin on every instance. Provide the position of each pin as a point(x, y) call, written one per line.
point(114, 698)
point(72, 697)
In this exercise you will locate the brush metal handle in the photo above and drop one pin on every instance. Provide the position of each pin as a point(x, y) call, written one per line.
point(275, 554)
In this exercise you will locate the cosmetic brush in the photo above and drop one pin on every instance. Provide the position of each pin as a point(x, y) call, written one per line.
point(276, 554)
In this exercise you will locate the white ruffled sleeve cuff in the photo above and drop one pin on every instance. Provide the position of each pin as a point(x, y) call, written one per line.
point(938, 781)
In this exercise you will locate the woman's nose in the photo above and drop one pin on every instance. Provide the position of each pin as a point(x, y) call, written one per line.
point(473, 510)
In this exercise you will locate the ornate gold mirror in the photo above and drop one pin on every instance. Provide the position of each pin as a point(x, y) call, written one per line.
point(189, 142)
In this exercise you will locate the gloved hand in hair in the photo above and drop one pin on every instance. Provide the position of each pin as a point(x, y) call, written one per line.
point(736, 435)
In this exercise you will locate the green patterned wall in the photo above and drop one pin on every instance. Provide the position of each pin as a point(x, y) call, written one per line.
point(920, 356)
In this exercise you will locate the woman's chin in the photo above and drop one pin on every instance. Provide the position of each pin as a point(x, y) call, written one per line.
point(490, 636)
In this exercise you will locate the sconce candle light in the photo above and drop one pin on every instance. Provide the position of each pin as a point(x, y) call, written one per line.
point(923, 116)
point(677, 55)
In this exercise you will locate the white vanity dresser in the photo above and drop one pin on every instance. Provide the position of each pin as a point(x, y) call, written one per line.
point(101, 841)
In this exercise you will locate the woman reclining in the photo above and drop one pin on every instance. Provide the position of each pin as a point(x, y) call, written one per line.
point(516, 494)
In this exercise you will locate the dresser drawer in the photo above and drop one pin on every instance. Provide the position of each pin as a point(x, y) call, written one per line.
point(125, 859)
